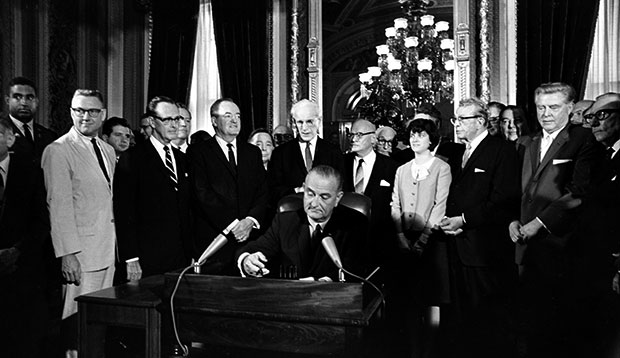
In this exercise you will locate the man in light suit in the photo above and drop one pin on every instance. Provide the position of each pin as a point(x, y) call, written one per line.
point(375, 179)
point(557, 172)
point(483, 198)
point(24, 225)
point(78, 169)
point(229, 183)
point(151, 199)
point(291, 161)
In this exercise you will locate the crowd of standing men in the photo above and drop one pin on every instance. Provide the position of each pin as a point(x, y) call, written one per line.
point(509, 240)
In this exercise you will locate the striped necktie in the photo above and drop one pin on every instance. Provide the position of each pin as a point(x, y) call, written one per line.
point(359, 177)
point(170, 167)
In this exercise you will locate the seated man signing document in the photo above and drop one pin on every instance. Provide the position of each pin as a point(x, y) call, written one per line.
point(294, 238)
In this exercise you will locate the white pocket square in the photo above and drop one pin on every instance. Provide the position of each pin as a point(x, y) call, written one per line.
point(384, 183)
point(561, 161)
point(614, 178)
point(478, 170)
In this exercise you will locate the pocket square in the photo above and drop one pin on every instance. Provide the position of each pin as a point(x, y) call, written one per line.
point(384, 183)
point(478, 170)
point(614, 178)
point(561, 161)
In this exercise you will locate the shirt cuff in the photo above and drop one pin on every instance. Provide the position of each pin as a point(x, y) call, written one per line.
point(463, 217)
point(134, 259)
point(240, 261)
point(542, 223)
point(256, 224)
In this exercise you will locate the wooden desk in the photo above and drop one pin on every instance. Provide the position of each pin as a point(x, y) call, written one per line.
point(129, 305)
point(266, 315)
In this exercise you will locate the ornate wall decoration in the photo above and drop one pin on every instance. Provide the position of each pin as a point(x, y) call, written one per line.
point(485, 69)
point(294, 52)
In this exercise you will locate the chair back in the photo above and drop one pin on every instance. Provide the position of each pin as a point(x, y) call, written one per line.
point(355, 201)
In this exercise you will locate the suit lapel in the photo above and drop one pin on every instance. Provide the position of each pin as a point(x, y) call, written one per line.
point(555, 146)
point(348, 172)
point(474, 156)
point(299, 158)
point(375, 176)
point(303, 241)
point(219, 154)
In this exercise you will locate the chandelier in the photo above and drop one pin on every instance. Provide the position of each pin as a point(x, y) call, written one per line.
point(414, 66)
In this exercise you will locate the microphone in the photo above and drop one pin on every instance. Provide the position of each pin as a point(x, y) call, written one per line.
point(330, 246)
point(219, 241)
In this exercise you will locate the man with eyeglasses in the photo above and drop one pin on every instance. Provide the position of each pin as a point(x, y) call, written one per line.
point(78, 169)
point(385, 140)
point(483, 197)
point(291, 161)
point(372, 174)
point(495, 109)
point(230, 184)
point(185, 126)
point(151, 199)
point(557, 167)
point(596, 261)
point(22, 101)
point(576, 115)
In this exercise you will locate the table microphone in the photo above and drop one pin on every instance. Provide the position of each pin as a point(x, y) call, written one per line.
point(219, 241)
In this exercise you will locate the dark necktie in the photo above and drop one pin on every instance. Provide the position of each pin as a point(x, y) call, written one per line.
point(359, 177)
point(315, 239)
point(308, 157)
point(231, 156)
point(170, 167)
point(28, 134)
point(100, 159)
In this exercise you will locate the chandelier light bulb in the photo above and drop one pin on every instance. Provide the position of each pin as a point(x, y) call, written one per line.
point(394, 65)
point(425, 65)
point(400, 23)
point(365, 77)
point(374, 71)
point(411, 41)
point(390, 32)
point(449, 65)
point(442, 26)
point(383, 50)
point(427, 20)
point(447, 44)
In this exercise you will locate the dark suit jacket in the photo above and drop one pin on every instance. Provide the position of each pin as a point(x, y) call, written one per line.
point(24, 219)
point(287, 242)
point(382, 238)
point(42, 137)
point(486, 191)
point(153, 220)
point(287, 169)
point(567, 167)
point(222, 194)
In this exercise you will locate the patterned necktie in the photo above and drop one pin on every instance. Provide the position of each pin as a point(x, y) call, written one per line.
point(170, 167)
point(28, 134)
point(100, 159)
point(466, 155)
point(308, 157)
point(359, 177)
point(231, 156)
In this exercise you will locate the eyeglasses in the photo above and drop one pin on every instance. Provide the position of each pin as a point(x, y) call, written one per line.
point(93, 112)
point(384, 142)
point(168, 120)
point(358, 135)
point(601, 115)
point(459, 120)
